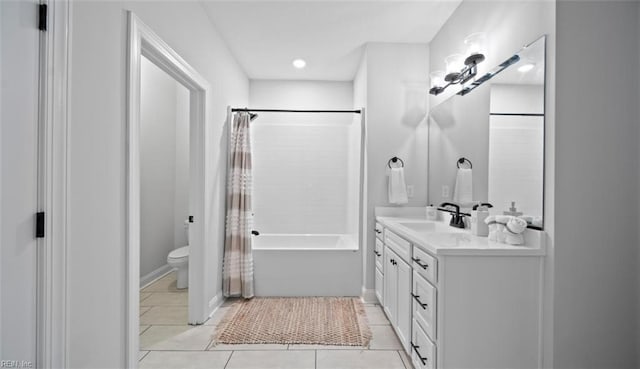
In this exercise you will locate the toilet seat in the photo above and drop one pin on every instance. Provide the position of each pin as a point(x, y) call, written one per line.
point(179, 253)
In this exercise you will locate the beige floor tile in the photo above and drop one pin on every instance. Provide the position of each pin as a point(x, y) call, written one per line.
point(405, 359)
point(325, 347)
point(142, 354)
point(144, 310)
point(164, 284)
point(376, 316)
point(143, 328)
point(247, 347)
point(272, 360)
point(144, 295)
point(160, 333)
point(166, 299)
point(185, 360)
point(343, 359)
point(168, 315)
point(218, 315)
point(230, 301)
point(168, 337)
point(384, 338)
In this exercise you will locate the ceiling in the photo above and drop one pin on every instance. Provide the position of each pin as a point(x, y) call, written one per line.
point(265, 36)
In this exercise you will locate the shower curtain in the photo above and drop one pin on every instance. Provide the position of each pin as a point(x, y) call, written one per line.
point(238, 259)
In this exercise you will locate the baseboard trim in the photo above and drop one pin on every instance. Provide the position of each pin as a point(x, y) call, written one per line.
point(214, 305)
point(369, 296)
point(155, 275)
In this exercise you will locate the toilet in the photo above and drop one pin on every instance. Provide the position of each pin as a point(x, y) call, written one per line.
point(178, 259)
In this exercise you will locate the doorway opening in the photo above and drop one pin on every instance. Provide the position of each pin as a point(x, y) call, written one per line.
point(167, 111)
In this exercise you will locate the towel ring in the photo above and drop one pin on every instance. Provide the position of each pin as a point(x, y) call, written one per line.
point(395, 160)
point(462, 160)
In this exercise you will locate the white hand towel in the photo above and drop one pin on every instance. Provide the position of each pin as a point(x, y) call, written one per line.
point(397, 187)
point(463, 191)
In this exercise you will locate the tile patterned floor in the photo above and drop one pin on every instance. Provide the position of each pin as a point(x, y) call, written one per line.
point(168, 342)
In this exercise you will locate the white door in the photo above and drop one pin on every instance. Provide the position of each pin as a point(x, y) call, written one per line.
point(18, 181)
point(390, 285)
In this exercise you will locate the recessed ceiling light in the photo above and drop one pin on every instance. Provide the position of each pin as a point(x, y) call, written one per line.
point(299, 63)
point(526, 67)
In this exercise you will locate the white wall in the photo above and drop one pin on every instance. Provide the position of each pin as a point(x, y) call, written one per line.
point(302, 180)
point(396, 107)
point(182, 172)
point(596, 269)
point(360, 101)
point(509, 26)
point(96, 152)
point(164, 167)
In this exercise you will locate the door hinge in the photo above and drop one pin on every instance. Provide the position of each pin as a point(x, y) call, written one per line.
point(42, 17)
point(40, 224)
point(191, 219)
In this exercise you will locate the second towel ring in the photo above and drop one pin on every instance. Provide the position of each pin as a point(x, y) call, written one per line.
point(462, 160)
point(395, 160)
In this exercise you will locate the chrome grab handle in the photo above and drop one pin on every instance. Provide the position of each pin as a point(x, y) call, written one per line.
point(417, 298)
point(423, 266)
point(415, 348)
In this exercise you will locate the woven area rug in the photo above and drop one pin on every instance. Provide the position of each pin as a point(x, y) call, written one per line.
point(295, 320)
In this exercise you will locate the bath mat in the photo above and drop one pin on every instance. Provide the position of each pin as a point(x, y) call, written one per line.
point(295, 320)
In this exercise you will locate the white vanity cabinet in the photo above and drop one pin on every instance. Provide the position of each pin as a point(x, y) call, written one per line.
point(462, 308)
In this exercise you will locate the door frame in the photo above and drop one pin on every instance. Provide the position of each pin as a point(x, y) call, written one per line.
point(54, 103)
point(142, 41)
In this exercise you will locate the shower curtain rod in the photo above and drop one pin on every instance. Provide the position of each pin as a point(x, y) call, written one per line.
point(295, 111)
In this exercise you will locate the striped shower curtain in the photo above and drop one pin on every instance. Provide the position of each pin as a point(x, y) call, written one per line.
point(238, 259)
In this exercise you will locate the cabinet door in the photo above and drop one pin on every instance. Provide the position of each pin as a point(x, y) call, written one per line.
point(390, 285)
point(404, 303)
point(380, 286)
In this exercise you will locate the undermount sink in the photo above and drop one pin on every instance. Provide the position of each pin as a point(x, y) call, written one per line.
point(430, 227)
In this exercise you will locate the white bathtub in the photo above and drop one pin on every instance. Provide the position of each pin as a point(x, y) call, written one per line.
point(307, 265)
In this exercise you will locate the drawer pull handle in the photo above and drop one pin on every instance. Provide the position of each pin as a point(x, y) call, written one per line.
point(423, 359)
point(417, 298)
point(418, 261)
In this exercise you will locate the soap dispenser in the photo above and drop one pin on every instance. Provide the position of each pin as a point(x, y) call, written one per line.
point(432, 212)
point(478, 215)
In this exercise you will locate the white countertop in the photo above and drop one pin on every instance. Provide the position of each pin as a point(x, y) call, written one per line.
point(446, 240)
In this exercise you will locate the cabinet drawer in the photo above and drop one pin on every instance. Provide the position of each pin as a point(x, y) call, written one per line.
point(425, 264)
point(379, 286)
point(379, 230)
point(423, 351)
point(398, 244)
point(425, 304)
point(379, 252)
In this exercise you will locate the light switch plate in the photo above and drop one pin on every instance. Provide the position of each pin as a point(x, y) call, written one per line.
point(410, 189)
point(445, 192)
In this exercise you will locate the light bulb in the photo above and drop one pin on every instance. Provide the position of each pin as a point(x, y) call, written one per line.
point(299, 63)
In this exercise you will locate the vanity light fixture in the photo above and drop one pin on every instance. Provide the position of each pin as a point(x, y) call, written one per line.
point(299, 63)
point(460, 69)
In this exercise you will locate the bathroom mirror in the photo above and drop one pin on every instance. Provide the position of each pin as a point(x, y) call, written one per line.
point(498, 126)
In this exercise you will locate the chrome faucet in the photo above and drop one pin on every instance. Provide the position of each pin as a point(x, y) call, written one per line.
point(457, 218)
